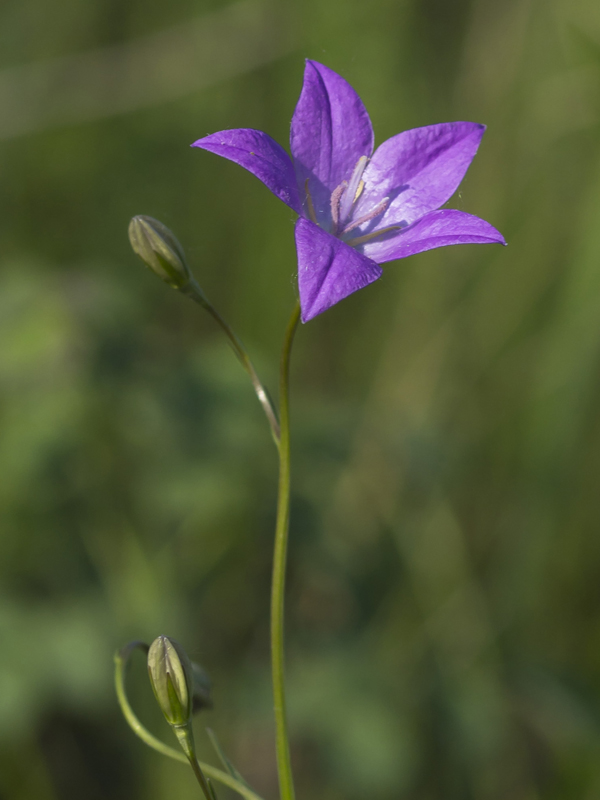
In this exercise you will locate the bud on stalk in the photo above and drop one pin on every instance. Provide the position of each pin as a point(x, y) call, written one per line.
point(160, 251)
point(172, 680)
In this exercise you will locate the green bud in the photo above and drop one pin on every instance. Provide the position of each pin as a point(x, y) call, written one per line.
point(172, 679)
point(158, 248)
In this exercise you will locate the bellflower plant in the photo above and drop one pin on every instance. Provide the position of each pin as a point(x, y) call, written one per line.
point(357, 210)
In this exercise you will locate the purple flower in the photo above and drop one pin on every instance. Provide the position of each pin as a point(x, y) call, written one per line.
point(358, 209)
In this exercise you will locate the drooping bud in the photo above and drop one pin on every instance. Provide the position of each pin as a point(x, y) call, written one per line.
point(172, 679)
point(160, 251)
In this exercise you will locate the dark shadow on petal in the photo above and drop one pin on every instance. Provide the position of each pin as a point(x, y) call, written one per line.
point(398, 191)
point(320, 195)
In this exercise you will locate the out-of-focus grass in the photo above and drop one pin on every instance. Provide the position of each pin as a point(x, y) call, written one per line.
point(443, 605)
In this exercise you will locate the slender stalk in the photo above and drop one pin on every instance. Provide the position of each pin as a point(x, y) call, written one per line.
point(185, 738)
point(193, 290)
point(201, 779)
point(284, 768)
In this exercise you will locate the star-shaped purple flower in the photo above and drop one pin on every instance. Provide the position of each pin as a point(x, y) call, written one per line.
point(358, 209)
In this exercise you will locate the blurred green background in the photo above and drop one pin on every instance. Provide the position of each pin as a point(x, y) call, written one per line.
point(444, 591)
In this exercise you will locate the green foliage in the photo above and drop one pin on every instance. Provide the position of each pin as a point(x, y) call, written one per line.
point(443, 602)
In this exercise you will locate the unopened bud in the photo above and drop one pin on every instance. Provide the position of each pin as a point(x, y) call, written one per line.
point(158, 248)
point(172, 679)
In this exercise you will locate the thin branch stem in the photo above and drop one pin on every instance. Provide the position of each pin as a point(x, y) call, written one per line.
point(193, 290)
point(185, 737)
point(200, 777)
point(284, 768)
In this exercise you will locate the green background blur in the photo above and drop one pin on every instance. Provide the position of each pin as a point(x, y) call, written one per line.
point(444, 584)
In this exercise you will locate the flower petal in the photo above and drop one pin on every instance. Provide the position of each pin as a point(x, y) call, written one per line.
point(262, 156)
point(330, 131)
point(419, 170)
point(328, 269)
point(436, 229)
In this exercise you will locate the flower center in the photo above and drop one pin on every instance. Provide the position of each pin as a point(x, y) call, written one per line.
point(343, 199)
point(347, 193)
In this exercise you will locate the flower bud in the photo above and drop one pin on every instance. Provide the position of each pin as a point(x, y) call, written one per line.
point(158, 248)
point(172, 679)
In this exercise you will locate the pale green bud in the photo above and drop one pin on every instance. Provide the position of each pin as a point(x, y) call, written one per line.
point(158, 248)
point(172, 679)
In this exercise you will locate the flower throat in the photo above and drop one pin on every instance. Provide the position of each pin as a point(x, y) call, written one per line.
point(343, 200)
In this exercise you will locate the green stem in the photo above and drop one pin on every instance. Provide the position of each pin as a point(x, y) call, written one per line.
point(121, 660)
point(194, 291)
point(201, 779)
point(284, 768)
point(185, 737)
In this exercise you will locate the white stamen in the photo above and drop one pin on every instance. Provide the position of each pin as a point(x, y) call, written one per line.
point(350, 194)
point(359, 191)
